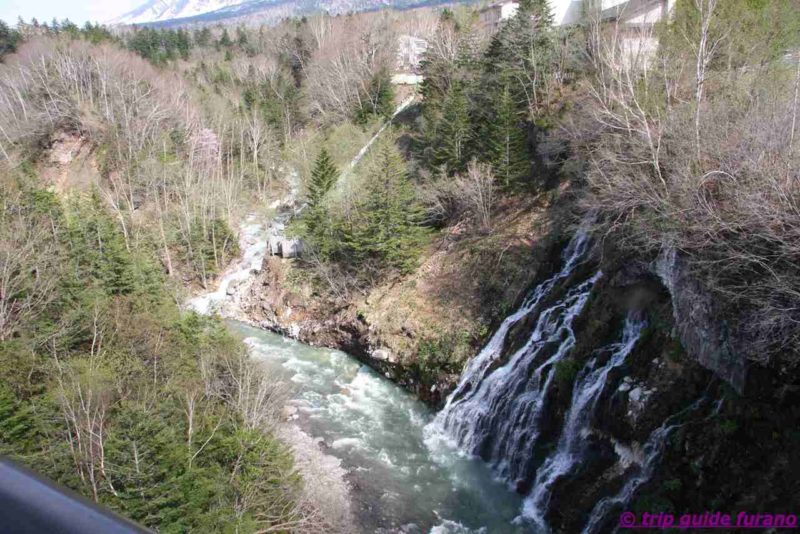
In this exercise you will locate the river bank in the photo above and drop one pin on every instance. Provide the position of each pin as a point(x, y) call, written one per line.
point(420, 329)
point(358, 438)
point(326, 488)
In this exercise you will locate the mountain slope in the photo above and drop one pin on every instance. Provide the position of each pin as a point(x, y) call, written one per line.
point(182, 12)
point(162, 10)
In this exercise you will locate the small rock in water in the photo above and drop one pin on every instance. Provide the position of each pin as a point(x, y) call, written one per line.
point(636, 394)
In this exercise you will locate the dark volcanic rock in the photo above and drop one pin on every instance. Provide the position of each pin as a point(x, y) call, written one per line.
point(702, 331)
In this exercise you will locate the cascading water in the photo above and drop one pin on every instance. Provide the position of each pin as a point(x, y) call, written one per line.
point(571, 445)
point(253, 248)
point(494, 411)
point(653, 449)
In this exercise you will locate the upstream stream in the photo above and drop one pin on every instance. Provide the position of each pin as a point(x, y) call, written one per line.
point(402, 479)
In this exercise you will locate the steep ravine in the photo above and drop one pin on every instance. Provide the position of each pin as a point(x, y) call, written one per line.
point(358, 439)
point(611, 384)
point(611, 387)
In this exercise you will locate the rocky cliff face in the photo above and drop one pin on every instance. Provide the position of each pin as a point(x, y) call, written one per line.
point(269, 304)
point(707, 336)
point(421, 328)
point(682, 426)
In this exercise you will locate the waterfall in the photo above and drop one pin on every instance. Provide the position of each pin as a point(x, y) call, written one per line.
point(494, 411)
point(253, 247)
point(653, 449)
point(652, 452)
point(572, 445)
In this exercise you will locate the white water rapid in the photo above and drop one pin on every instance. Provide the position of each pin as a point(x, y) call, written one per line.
point(372, 426)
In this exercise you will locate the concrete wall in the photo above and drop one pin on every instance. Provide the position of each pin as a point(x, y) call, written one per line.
point(566, 12)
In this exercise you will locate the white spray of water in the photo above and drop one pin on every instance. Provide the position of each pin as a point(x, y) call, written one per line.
point(253, 244)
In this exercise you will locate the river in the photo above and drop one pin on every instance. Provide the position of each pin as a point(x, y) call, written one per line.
point(401, 479)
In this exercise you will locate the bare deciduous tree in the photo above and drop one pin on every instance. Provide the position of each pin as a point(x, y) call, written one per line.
point(478, 187)
point(28, 264)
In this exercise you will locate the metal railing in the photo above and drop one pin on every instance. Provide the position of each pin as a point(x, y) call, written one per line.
point(31, 504)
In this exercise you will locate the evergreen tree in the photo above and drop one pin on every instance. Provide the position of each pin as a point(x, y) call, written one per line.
point(387, 231)
point(379, 101)
point(98, 248)
point(323, 177)
point(18, 425)
point(454, 131)
point(241, 37)
point(225, 39)
point(70, 28)
point(539, 10)
point(523, 50)
point(202, 37)
point(9, 39)
point(507, 140)
point(317, 222)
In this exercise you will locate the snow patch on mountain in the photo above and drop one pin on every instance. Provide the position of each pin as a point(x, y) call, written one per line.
point(161, 10)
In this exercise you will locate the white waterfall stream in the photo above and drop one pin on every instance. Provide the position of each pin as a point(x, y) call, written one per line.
point(253, 244)
point(571, 445)
point(495, 410)
point(414, 472)
point(653, 449)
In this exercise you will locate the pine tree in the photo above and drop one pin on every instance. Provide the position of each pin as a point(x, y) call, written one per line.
point(454, 131)
point(8, 40)
point(323, 177)
point(183, 44)
point(539, 10)
point(241, 37)
point(202, 37)
point(507, 140)
point(388, 229)
point(317, 226)
point(225, 39)
point(379, 100)
point(98, 247)
point(522, 50)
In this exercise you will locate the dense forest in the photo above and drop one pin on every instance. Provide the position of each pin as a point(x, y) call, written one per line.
point(129, 157)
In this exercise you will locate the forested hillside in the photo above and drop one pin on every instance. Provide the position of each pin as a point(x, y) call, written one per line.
point(127, 163)
point(129, 160)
